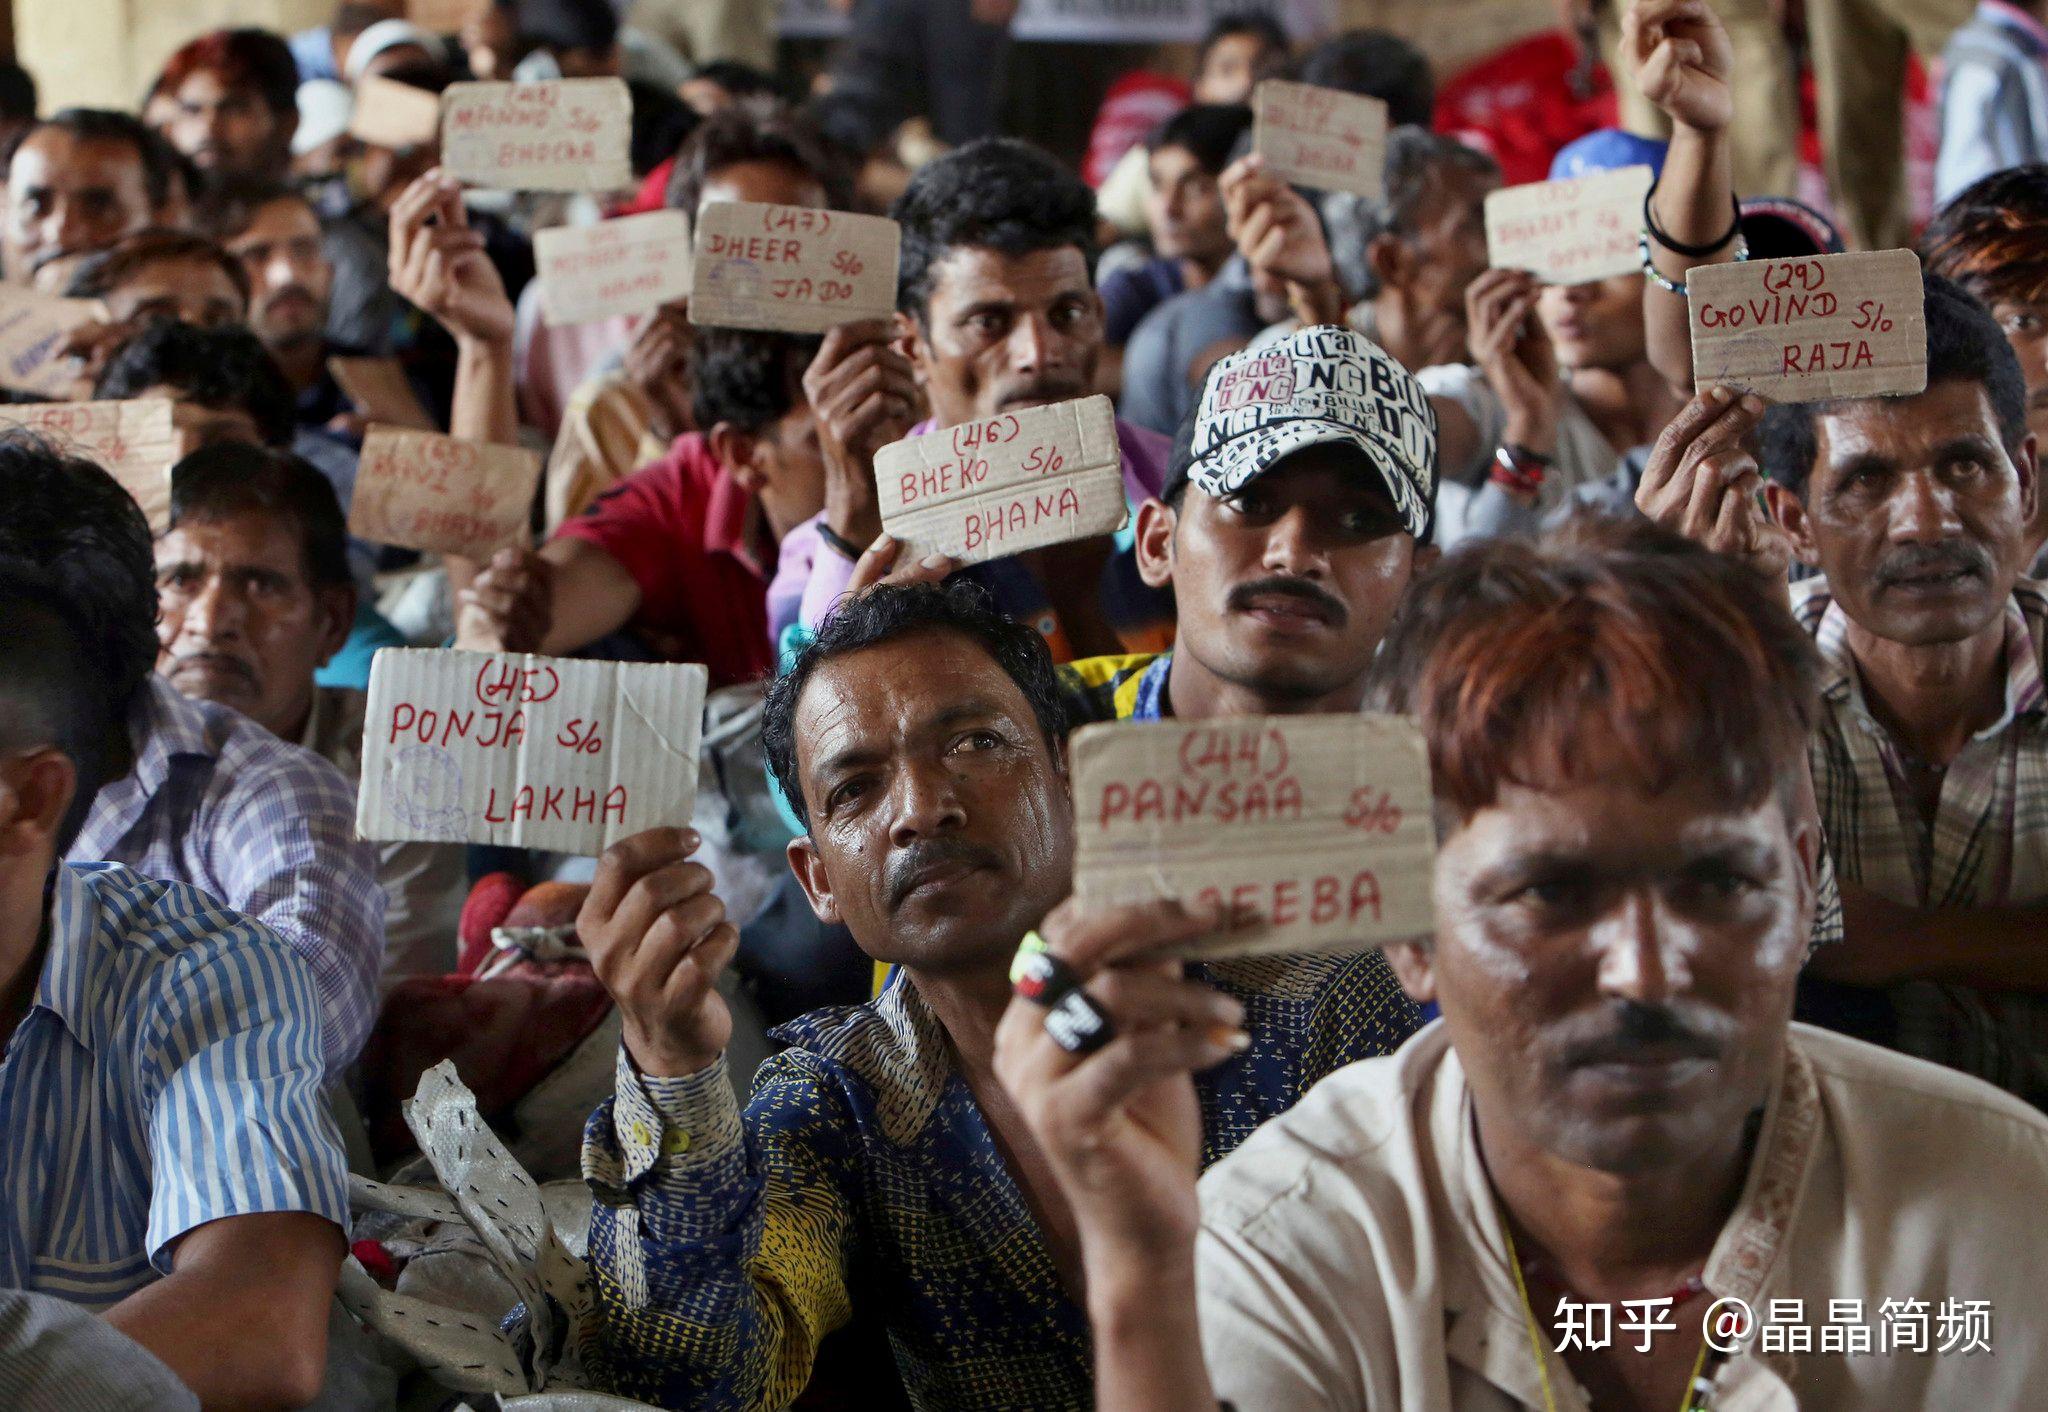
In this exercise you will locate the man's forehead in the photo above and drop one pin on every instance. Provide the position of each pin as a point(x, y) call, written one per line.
point(976, 274)
point(277, 219)
point(1617, 819)
point(246, 537)
point(900, 686)
point(53, 156)
point(1889, 426)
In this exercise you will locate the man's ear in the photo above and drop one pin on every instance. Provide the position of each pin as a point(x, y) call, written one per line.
point(1414, 964)
point(2026, 460)
point(1387, 256)
point(908, 340)
point(36, 788)
point(740, 453)
point(1425, 559)
point(813, 879)
point(1154, 541)
point(1790, 513)
point(335, 608)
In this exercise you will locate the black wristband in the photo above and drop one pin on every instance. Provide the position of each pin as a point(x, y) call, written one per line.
point(1691, 252)
point(838, 541)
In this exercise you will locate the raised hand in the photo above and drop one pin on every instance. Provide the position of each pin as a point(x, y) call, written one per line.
point(864, 395)
point(1275, 228)
point(1682, 60)
point(1509, 345)
point(658, 938)
point(880, 565)
point(657, 362)
point(438, 263)
point(1702, 482)
point(509, 606)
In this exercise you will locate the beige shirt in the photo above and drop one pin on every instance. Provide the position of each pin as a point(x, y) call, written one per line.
point(424, 884)
point(1351, 1253)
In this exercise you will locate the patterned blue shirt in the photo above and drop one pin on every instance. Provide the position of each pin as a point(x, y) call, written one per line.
point(260, 826)
point(167, 1074)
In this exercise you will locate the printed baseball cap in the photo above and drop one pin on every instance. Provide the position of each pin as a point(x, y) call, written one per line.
point(1319, 386)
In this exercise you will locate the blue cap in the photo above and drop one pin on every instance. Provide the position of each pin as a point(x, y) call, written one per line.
point(1608, 150)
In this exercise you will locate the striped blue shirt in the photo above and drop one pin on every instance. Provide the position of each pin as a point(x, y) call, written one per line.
point(167, 1074)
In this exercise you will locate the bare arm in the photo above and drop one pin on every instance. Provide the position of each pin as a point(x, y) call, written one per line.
point(1997, 948)
point(1681, 58)
point(564, 597)
point(242, 1317)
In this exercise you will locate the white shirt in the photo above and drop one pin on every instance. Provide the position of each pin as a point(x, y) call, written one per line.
point(1351, 1253)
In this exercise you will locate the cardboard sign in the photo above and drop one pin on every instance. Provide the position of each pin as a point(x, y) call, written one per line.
point(530, 752)
point(1809, 329)
point(1314, 832)
point(1569, 232)
point(394, 115)
point(381, 391)
point(623, 266)
point(791, 269)
point(440, 16)
point(1319, 137)
point(34, 328)
point(565, 134)
point(423, 490)
point(135, 441)
point(1020, 481)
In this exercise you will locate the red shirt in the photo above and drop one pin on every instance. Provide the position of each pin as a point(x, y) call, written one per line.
point(679, 528)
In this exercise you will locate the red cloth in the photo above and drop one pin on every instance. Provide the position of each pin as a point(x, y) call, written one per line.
point(651, 194)
point(1518, 104)
point(678, 527)
point(1134, 105)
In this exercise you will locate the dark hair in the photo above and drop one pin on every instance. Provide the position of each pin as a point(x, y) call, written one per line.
point(49, 694)
point(1963, 345)
point(218, 368)
point(152, 153)
point(1256, 23)
point(748, 378)
point(1514, 654)
point(662, 123)
point(1205, 131)
point(17, 93)
point(755, 130)
point(1376, 64)
point(740, 80)
point(232, 212)
point(1415, 165)
point(244, 58)
point(229, 478)
point(102, 273)
point(567, 24)
point(887, 613)
point(996, 193)
point(1989, 238)
point(352, 17)
point(74, 543)
point(427, 75)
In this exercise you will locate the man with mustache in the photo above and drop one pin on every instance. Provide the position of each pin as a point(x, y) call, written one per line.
point(920, 737)
point(1615, 1108)
point(996, 312)
point(1930, 757)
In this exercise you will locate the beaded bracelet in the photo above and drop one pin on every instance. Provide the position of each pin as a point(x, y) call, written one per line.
point(1671, 286)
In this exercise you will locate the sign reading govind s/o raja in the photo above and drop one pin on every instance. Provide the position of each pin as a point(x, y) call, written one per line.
point(1812, 328)
point(1313, 833)
point(791, 269)
point(1000, 486)
point(530, 752)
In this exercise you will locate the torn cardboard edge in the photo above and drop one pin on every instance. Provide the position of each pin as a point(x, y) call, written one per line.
point(1811, 328)
point(1314, 832)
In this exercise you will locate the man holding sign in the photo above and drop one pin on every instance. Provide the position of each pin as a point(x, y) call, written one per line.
point(920, 736)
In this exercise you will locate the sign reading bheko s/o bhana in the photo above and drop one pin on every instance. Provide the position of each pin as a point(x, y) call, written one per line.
point(393, 114)
point(529, 752)
point(1572, 231)
point(136, 442)
point(423, 490)
point(1812, 328)
point(1314, 833)
point(791, 269)
point(1020, 481)
point(1320, 137)
point(565, 134)
point(34, 328)
point(623, 266)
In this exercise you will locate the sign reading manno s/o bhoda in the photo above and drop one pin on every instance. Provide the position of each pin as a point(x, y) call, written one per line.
point(791, 269)
point(627, 265)
point(1320, 137)
point(1812, 328)
point(1572, 231)
point(530, 752)
point(1312, 832)
point(568, 134)
point(440, 493)
point(1019, 481)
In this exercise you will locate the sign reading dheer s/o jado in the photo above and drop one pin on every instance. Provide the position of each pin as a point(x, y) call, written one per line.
point(791, 269)
point(1313, 833)
point(1813, 328)
point(529, 752)
point(1019, 481)
point(569, 134)
point(1320, 137)
point(1572, 231)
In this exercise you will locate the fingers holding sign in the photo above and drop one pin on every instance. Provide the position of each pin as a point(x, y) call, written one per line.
point(1702, 481)
point(1099, 1047)
point(864, 395)
point(509, 606)
point(439, 264)
point(880, 565)
point(1274, 225)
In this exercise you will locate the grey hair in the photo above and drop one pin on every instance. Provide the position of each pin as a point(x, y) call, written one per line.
point(1415, 156)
